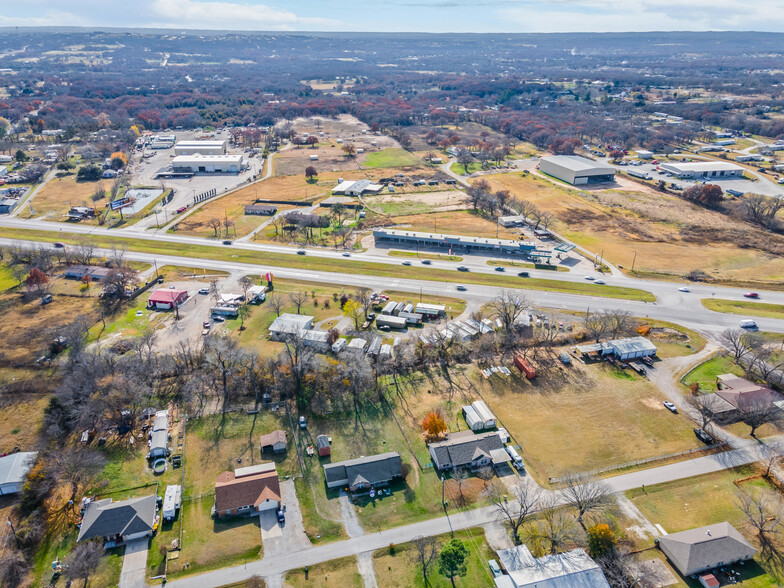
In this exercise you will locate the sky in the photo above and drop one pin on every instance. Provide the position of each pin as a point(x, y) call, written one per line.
point(480, 16)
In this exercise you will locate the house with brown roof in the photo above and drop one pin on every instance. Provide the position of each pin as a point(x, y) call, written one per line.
point(743, 394)
point(275, 442)
point(247, 491)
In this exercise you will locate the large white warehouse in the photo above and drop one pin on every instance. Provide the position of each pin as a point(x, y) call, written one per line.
point(201, 147)
point(576, 170)
point(208, 163)
point(714, 170)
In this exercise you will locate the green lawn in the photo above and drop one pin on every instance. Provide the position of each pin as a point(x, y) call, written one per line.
point(673, 340)
point(7, 279)
point(392, 158)
point(436, 256)
point(705, 373)
point(397, 570)
point(525, 265)
point(745, 307)
point(336, 573)
point(337, 265)
point(706, 500)
point(458, 168)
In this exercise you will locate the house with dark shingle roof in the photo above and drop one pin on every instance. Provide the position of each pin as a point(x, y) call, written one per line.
point(465, 450)
point(119, 521)
point(706, 548)
point(247, 490)
point(364, 472)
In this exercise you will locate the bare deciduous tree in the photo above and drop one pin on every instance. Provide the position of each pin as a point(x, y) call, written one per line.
point(425, 554)
point(276, 303)
point(215, 224)
point(524, 500)
point(758, 412)
point(586, 493)
point(82, 562)
point(763, 514)
point(508, 307)
point(554, 529)
point(298, 299)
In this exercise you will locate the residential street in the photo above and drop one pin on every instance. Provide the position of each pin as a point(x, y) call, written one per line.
point(281, 563)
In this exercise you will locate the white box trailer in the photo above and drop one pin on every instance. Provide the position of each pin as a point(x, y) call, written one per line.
point(636, 173)
point(172, 500)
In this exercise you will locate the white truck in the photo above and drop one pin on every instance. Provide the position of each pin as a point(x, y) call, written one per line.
point(516, 459)
point(636, 173)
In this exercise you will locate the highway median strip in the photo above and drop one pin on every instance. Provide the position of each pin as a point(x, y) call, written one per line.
point(337, 265)
point(745, 307)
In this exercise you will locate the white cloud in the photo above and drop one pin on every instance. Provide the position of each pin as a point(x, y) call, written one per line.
point(643, 15)
point(216, 14)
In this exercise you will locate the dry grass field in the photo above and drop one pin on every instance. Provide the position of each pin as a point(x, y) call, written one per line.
point(597, 416)
point(58, 195)
point(233, 205)
point(292, 162)
point(669, 235)
point(336, 573)
point(457, 222)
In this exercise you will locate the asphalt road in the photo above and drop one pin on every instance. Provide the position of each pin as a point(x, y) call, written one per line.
point(671, 305)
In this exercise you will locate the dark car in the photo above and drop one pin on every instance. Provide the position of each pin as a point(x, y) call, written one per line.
point(384, 328)
point(703, 436)
point(227, 242)
point(371, 316)
point(281, 516)
point(301, 252)
point(462, 268)
point(499, 268)
point(426, 261)
point(59, 245)
point(46, 299)
point(523, 274)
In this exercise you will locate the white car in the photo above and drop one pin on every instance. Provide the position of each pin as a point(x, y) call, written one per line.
point(683, 289)
point(591, 278)
point(600, 282)
point(670, 406)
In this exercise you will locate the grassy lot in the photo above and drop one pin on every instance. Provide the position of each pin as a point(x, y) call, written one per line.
point(178, 273)
point(58, 195)
point(20, 420)
point(7, 279)
point(34, 326)
point(392, 158)
point(706, 500)
point(337, 265)
point(436, 256)
point(670, 236)
point(673, 340)
point(127, 323)
point(397, 570)
point(218, 443)
point(233, 205)
point(456, 222)
point(745, 307)
point(705, 373)
point(336, 573)
point(207, 544)
point(599, 415)
point(458, 168)
point(323, 303)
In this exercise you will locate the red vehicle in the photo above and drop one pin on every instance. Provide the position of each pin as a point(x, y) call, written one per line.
point(182, 209)
point(751, 295)
point(522, 364)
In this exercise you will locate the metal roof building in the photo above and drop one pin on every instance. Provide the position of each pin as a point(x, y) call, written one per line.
point(454, 242)
point(714, 170)
point(200, 147)
point(572, 569)
point(576, 170)
point(13, 469)
point(290, 324)
point(208, 163)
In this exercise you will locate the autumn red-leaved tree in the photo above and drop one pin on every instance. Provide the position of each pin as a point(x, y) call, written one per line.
point(311, 172)
point(37, 282)
point(434, 425)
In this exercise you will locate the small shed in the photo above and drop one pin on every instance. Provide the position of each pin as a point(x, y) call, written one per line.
point(323, 445)
point(473, 420)
point(275, 442)
point(484, 413)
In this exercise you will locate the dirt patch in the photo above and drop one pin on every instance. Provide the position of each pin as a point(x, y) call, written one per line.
point(652, 403)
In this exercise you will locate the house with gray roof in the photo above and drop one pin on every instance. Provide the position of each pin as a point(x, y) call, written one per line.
point(289, 324)
point(13, 469)
point(572, 569)
point(364, 472)
point(465, 450)
point(119, 521)
point(705, 548)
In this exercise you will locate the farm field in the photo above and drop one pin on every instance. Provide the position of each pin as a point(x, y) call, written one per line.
point(600, 416)
point(390, 158)
point(705, 500)
point(670, 236)
point(745, 307)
